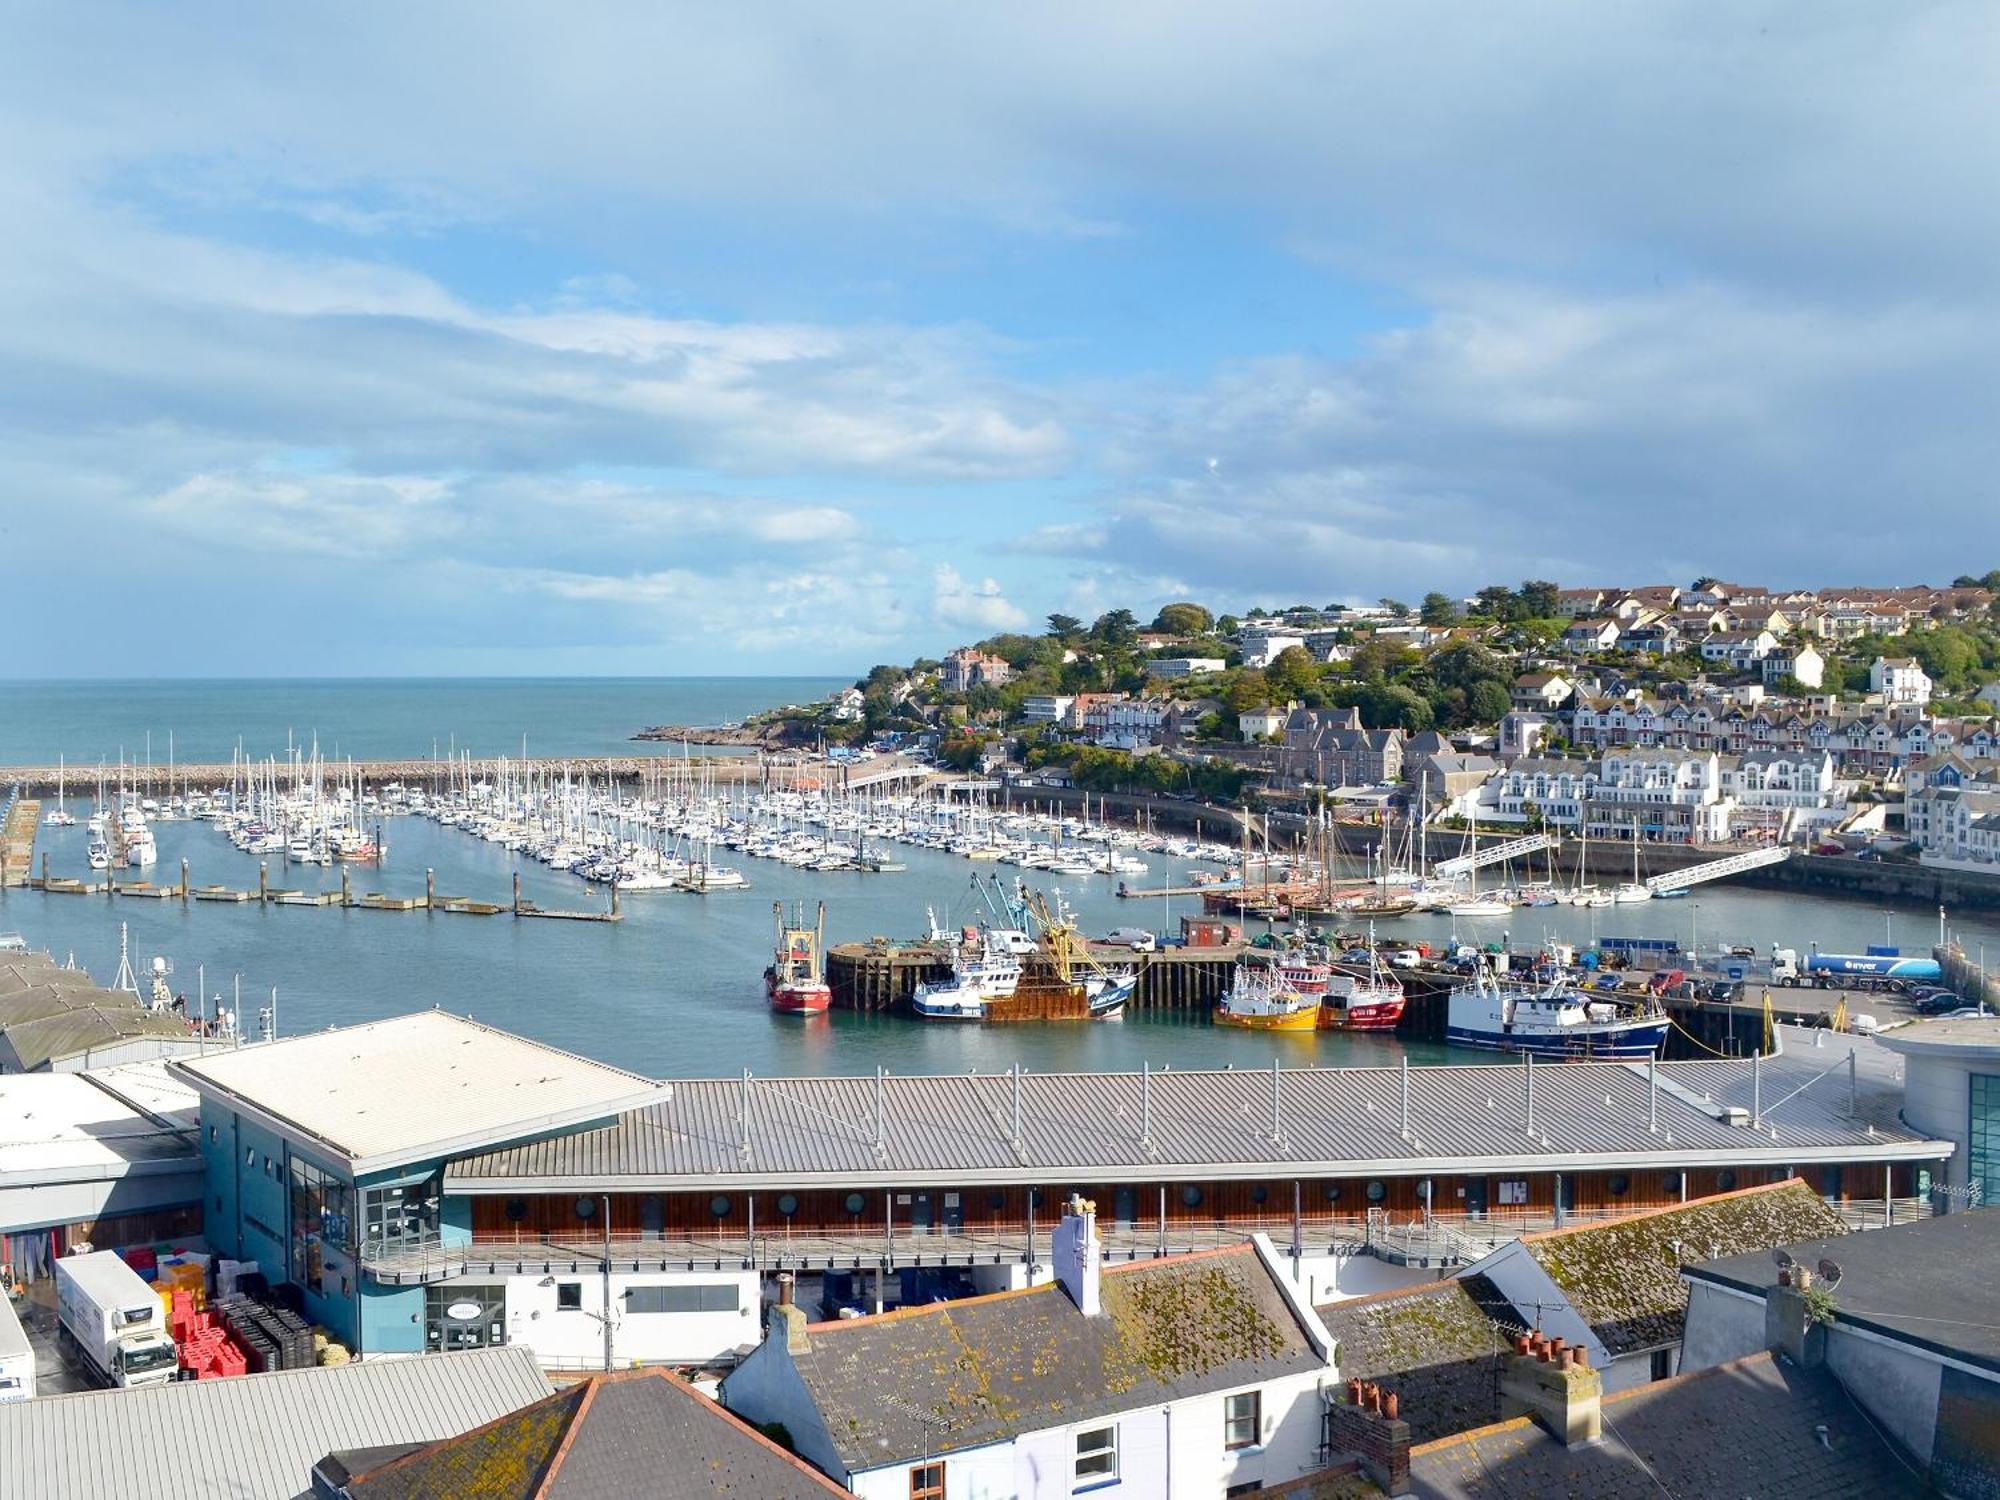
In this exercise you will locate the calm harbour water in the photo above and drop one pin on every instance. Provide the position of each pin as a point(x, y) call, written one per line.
point(379, 719)
point(675, 990)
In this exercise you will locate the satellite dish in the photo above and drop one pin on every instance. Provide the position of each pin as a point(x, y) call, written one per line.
point(1782, 1258)
point(1829, 1273)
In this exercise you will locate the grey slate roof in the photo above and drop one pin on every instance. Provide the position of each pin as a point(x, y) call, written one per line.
point(638, 1435)
point(1929, 1283)
point(1743, 1429)
point(1088, 1126)
point(1439, 1347)
point(989, 1368)
point(251, 1437)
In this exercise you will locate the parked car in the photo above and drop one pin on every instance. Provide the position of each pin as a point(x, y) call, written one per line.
point(1966, 1013)
point(1138, 939)
point(1939, 1005)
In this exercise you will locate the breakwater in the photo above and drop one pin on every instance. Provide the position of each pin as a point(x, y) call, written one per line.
point(430, 775)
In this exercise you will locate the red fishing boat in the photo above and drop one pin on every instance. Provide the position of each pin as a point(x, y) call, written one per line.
point(795, 983)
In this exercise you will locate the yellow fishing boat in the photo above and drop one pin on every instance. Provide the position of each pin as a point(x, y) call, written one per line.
point(1259, 999)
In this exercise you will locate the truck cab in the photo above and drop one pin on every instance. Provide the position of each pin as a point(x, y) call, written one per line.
point(113, 1321)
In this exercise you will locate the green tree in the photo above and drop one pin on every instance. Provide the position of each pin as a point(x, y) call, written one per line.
point(1494, 602)
point(1438, 610)
point(1293, 674)
point(1395, 607)
point(1487, 701)
point(1066, 628)
point(1117, 629)
point(1250, 691)
point(1227, 625)
point(1183, 619)
point(1537, 599)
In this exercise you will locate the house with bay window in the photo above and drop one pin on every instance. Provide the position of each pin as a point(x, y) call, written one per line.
point(1200, 1375)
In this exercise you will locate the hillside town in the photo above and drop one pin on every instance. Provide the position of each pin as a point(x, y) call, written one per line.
point(1711, 713)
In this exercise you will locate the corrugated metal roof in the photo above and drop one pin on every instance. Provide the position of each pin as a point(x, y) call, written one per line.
point(1098, 1127)
point(62, 1127)
point(414, 1086)
point(253, 1437)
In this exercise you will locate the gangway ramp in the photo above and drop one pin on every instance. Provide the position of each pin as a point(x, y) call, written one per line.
point(1719, 869)
point(1479, 859)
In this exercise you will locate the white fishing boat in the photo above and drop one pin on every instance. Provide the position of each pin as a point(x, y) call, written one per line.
point(1550, 1020)
point(993, 974)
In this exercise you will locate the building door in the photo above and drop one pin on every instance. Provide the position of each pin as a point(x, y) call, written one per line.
point(920, 1213)
point(1830, 1178)
point(1125, 1207)
point(954, 1212)
point(1475, 1197)
point(652, 1216)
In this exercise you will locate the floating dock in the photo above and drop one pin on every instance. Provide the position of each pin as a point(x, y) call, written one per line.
point(17, 841)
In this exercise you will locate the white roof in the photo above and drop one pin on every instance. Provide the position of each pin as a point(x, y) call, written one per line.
point(65, 1127)
point(250, 1437)
point(415, 1087)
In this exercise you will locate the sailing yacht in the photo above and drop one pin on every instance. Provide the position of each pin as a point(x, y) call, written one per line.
point(1475, 905)
point(1634, 890)
point(60, 815)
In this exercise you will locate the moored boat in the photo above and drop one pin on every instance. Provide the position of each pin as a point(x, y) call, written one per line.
point(1260, 999)
point(1551, 1019)
point(991, 975)
point(795, 983)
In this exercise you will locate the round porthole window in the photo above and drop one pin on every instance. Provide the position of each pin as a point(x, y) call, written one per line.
point(1424, 1190)
point(1259, 1193)
point(586, 1208)
point(1617, 1184)
point(719, 1206)
point(996, 1201)
point(1034, 1197)
point(1377, 1191)
point(1331, 1192)
point(1191, 1196)
point(788, 1204)
point(1726, 1180)
point(1671, 1183)
point(855, 1203)
point(517, 1209)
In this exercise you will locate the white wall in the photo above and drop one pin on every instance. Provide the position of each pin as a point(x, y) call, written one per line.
point(1720, 1326)
point(576, 1338)
point(1336, 1278)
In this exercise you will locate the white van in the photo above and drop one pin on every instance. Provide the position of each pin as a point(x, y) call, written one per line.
point(1138, 939)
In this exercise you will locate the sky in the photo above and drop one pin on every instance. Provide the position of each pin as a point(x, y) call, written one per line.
point(658, 339)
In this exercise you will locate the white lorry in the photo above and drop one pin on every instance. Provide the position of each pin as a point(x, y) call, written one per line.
point(17, 1356)
point(114, 1320)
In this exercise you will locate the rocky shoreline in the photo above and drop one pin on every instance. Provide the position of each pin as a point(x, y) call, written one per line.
point(751, 735)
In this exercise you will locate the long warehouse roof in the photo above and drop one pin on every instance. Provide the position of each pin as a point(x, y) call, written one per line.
point(1173, 1124)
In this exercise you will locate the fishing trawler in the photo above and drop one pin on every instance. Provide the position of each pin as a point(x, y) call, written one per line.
point(990, 974)
point(1371, 1000)
point(1551, 1019)
point(795, 984)
point(1260, 999)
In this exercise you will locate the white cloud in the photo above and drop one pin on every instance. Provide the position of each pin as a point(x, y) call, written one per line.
point(956, 600)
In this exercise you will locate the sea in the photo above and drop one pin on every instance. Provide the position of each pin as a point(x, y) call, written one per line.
point(675, 989)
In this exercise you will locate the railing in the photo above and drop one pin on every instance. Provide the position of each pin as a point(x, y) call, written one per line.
point(1443, 1238)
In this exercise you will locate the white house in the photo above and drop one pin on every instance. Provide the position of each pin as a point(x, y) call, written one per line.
point(1899, 679)
point(1805, 666)
point(1741, 649)
point(1185, 666)
point(1195, 1376)
point(1046, 708)
point(845, 705)
point(1264, 644)
point(1658, 793)
point(1540, 691)
point(1259, 723)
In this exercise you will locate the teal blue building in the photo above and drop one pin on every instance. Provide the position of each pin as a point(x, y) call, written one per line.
point(324, 1160)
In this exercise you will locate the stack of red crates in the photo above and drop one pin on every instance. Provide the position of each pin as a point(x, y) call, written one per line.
point(205, 1345)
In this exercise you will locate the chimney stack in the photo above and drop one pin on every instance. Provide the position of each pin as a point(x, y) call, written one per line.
point(788, 1319)
point(1369, 1427)
point(1557, 1387)
point(1079, 1262)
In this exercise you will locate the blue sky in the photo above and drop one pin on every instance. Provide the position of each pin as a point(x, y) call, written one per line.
point(662, 339)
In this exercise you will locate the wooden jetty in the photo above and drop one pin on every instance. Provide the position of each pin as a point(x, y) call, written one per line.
point(17, 841)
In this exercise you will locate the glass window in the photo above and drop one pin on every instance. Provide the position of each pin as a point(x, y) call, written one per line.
point(684, 1298)
point(569, 1296)
point(1096, 1456)
point(927, 1482)
point(719, 1206)
point(788, 1204)
point(1243, 1420)
point(400, 1218)
point(322, 1220)
point(1982, 1155)
point(1191, 1196)
point(855, 1203)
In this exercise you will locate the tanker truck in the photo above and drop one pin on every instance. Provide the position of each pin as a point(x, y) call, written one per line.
point(1878, 968)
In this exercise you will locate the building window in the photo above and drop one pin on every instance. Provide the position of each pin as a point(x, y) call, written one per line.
point(586, 1208)
point(719, 1206)
point(1982, 1152)
point(855, 1203)
point(569, 1296)
point(723, 1296)
point(927, 1482)
point(322, 1220)
point(401, 1217)
point(1096, 1457)
point(1377, 1190)
point(1725, 1181)
point(1617, 1184)
point(1191, 1196)
point(788, 1204)
point(1243, 1420)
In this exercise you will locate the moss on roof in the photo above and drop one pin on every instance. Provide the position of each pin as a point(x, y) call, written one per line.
point(1624, 1278)
point(1435, 1346)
